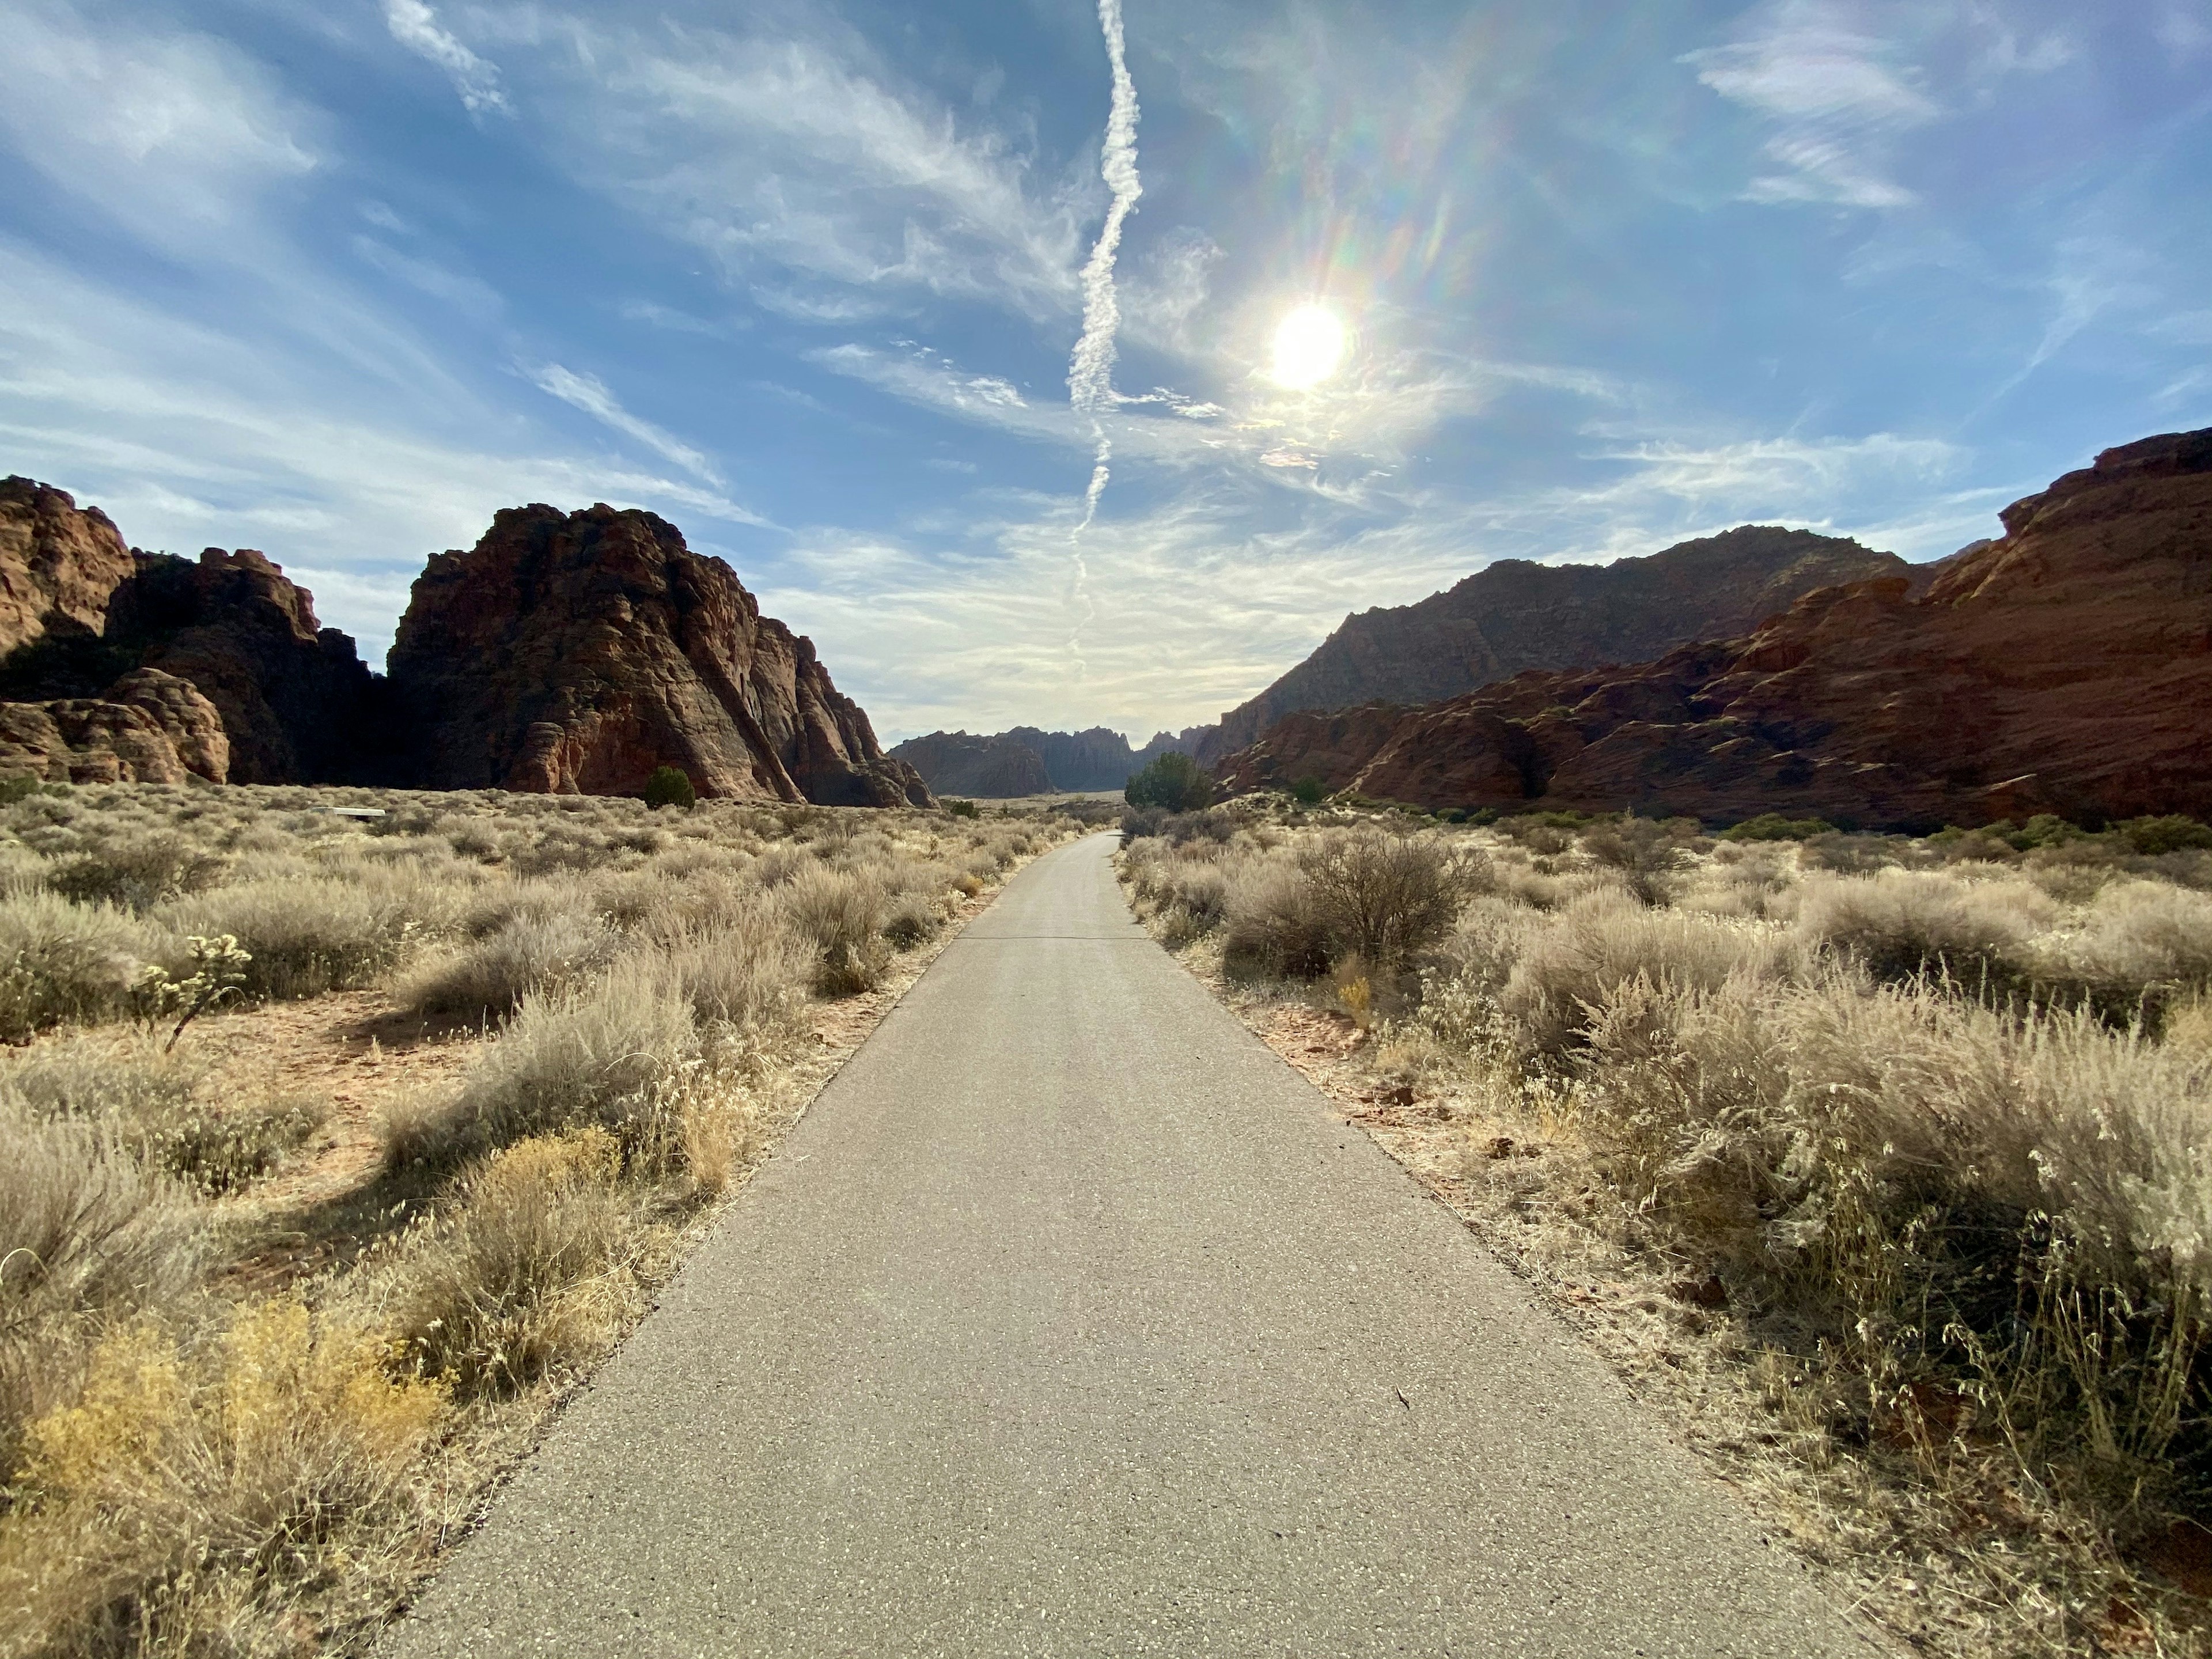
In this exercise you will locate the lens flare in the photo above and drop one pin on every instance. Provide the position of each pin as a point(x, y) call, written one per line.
point(1309, 348)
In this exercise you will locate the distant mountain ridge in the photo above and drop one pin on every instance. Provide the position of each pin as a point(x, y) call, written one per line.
point(1516, 615)
point(2064, 667)
point(1030, 761)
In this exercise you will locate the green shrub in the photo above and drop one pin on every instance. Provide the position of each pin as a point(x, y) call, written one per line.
point(1309, 791)
point(959, 809)
point(2171, 834)
point(1173, 782)
point(1772, 826)
point(670, 785)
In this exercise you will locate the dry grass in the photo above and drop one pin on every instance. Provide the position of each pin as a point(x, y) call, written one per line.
point(1883, 1161)
point(250, 1370)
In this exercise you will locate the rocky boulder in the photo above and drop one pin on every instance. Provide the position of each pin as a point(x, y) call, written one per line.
point(2065, 667)
point(1515, 615)
point(150, 728)
point(574, 653)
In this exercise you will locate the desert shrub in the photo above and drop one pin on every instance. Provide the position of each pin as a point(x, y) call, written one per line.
point(599, 1055)
point(1384, 896)
point(2141, 946)
point(305, 936)
point(195, 1484)
point(62, 962)
point(1309, 791)
point(1645, 851)
point(1276, 928)
point(2016, 1200)
point(85, 1230)
point(1902, 923)
point(488, 978)
point(154, 1105)
point(2152, 837)
point(670, 785)
point(1848, 854)
point(1192, 899)
point(1174, 782)
point(913, 919)
point(1568, 966)
point(1773, 826)
point(1141, 823)
point(959, 809)
point(136, 875)
point(749, 972)
point(840, 914)
point(520, 1275)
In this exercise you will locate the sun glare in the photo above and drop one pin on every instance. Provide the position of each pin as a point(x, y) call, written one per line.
point(1308, 346)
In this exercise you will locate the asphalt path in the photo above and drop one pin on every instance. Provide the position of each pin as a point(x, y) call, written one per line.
point(1068, 1321)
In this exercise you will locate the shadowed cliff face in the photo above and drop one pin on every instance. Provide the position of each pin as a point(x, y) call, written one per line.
point(574, 653)
point(148, 667)
point(956, 763)
point(2066, 668)
point(1514, 616)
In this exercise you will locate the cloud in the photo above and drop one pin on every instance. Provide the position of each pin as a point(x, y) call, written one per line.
point(1837, 95)
point(800, 162)
point(175, 137)
point(589, 394)
point(416, 27)
point(471, 296)
point(964, 623)
point(190, 435)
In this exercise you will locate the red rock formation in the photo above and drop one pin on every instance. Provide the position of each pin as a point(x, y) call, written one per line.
point(574, 653)
point(57, 565)
point(78, 608)
point(291, 693)
point(955, 763)
point(1514, 614)
point(2066, 668)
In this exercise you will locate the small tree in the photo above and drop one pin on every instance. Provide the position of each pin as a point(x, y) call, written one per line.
point(670, 785)
point(1173, 782)
point(1309, 791)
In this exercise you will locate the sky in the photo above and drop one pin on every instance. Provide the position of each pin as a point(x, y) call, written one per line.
point(1060, 363)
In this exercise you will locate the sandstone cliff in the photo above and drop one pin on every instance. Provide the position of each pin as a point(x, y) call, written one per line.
point(2065, 667)
point(956, 763)
point(1514, 616)
point(246, 683)
point(1097, 758)
point(574, 653)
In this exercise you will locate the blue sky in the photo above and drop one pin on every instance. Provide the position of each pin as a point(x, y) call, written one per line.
point(337, 279)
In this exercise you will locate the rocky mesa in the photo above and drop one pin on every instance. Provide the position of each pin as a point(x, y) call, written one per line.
point(1516, 615)
point(2064, 667)
point(574, 652)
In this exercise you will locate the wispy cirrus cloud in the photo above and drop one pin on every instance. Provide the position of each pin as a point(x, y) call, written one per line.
point(416, 27)
point(809, 169)
point(176, 137)
point(589, 394)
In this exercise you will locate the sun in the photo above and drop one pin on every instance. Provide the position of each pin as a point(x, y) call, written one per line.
point(1309, 348)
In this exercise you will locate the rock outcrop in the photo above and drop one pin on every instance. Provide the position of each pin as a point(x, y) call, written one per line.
point(1514, 616)
point(574, 653)
point(2065, 667)
point(58, 565)
point(273, 696)
point(956, 763)
point(1098, 758)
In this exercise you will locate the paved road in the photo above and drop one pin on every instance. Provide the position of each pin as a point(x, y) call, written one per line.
point(1067, 1323)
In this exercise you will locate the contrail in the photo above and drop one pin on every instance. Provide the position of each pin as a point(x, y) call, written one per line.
point(1090, 370)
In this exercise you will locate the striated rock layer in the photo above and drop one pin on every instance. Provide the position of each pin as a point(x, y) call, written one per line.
point(2065, 667)
point(1515, 615)
point(574, 653)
